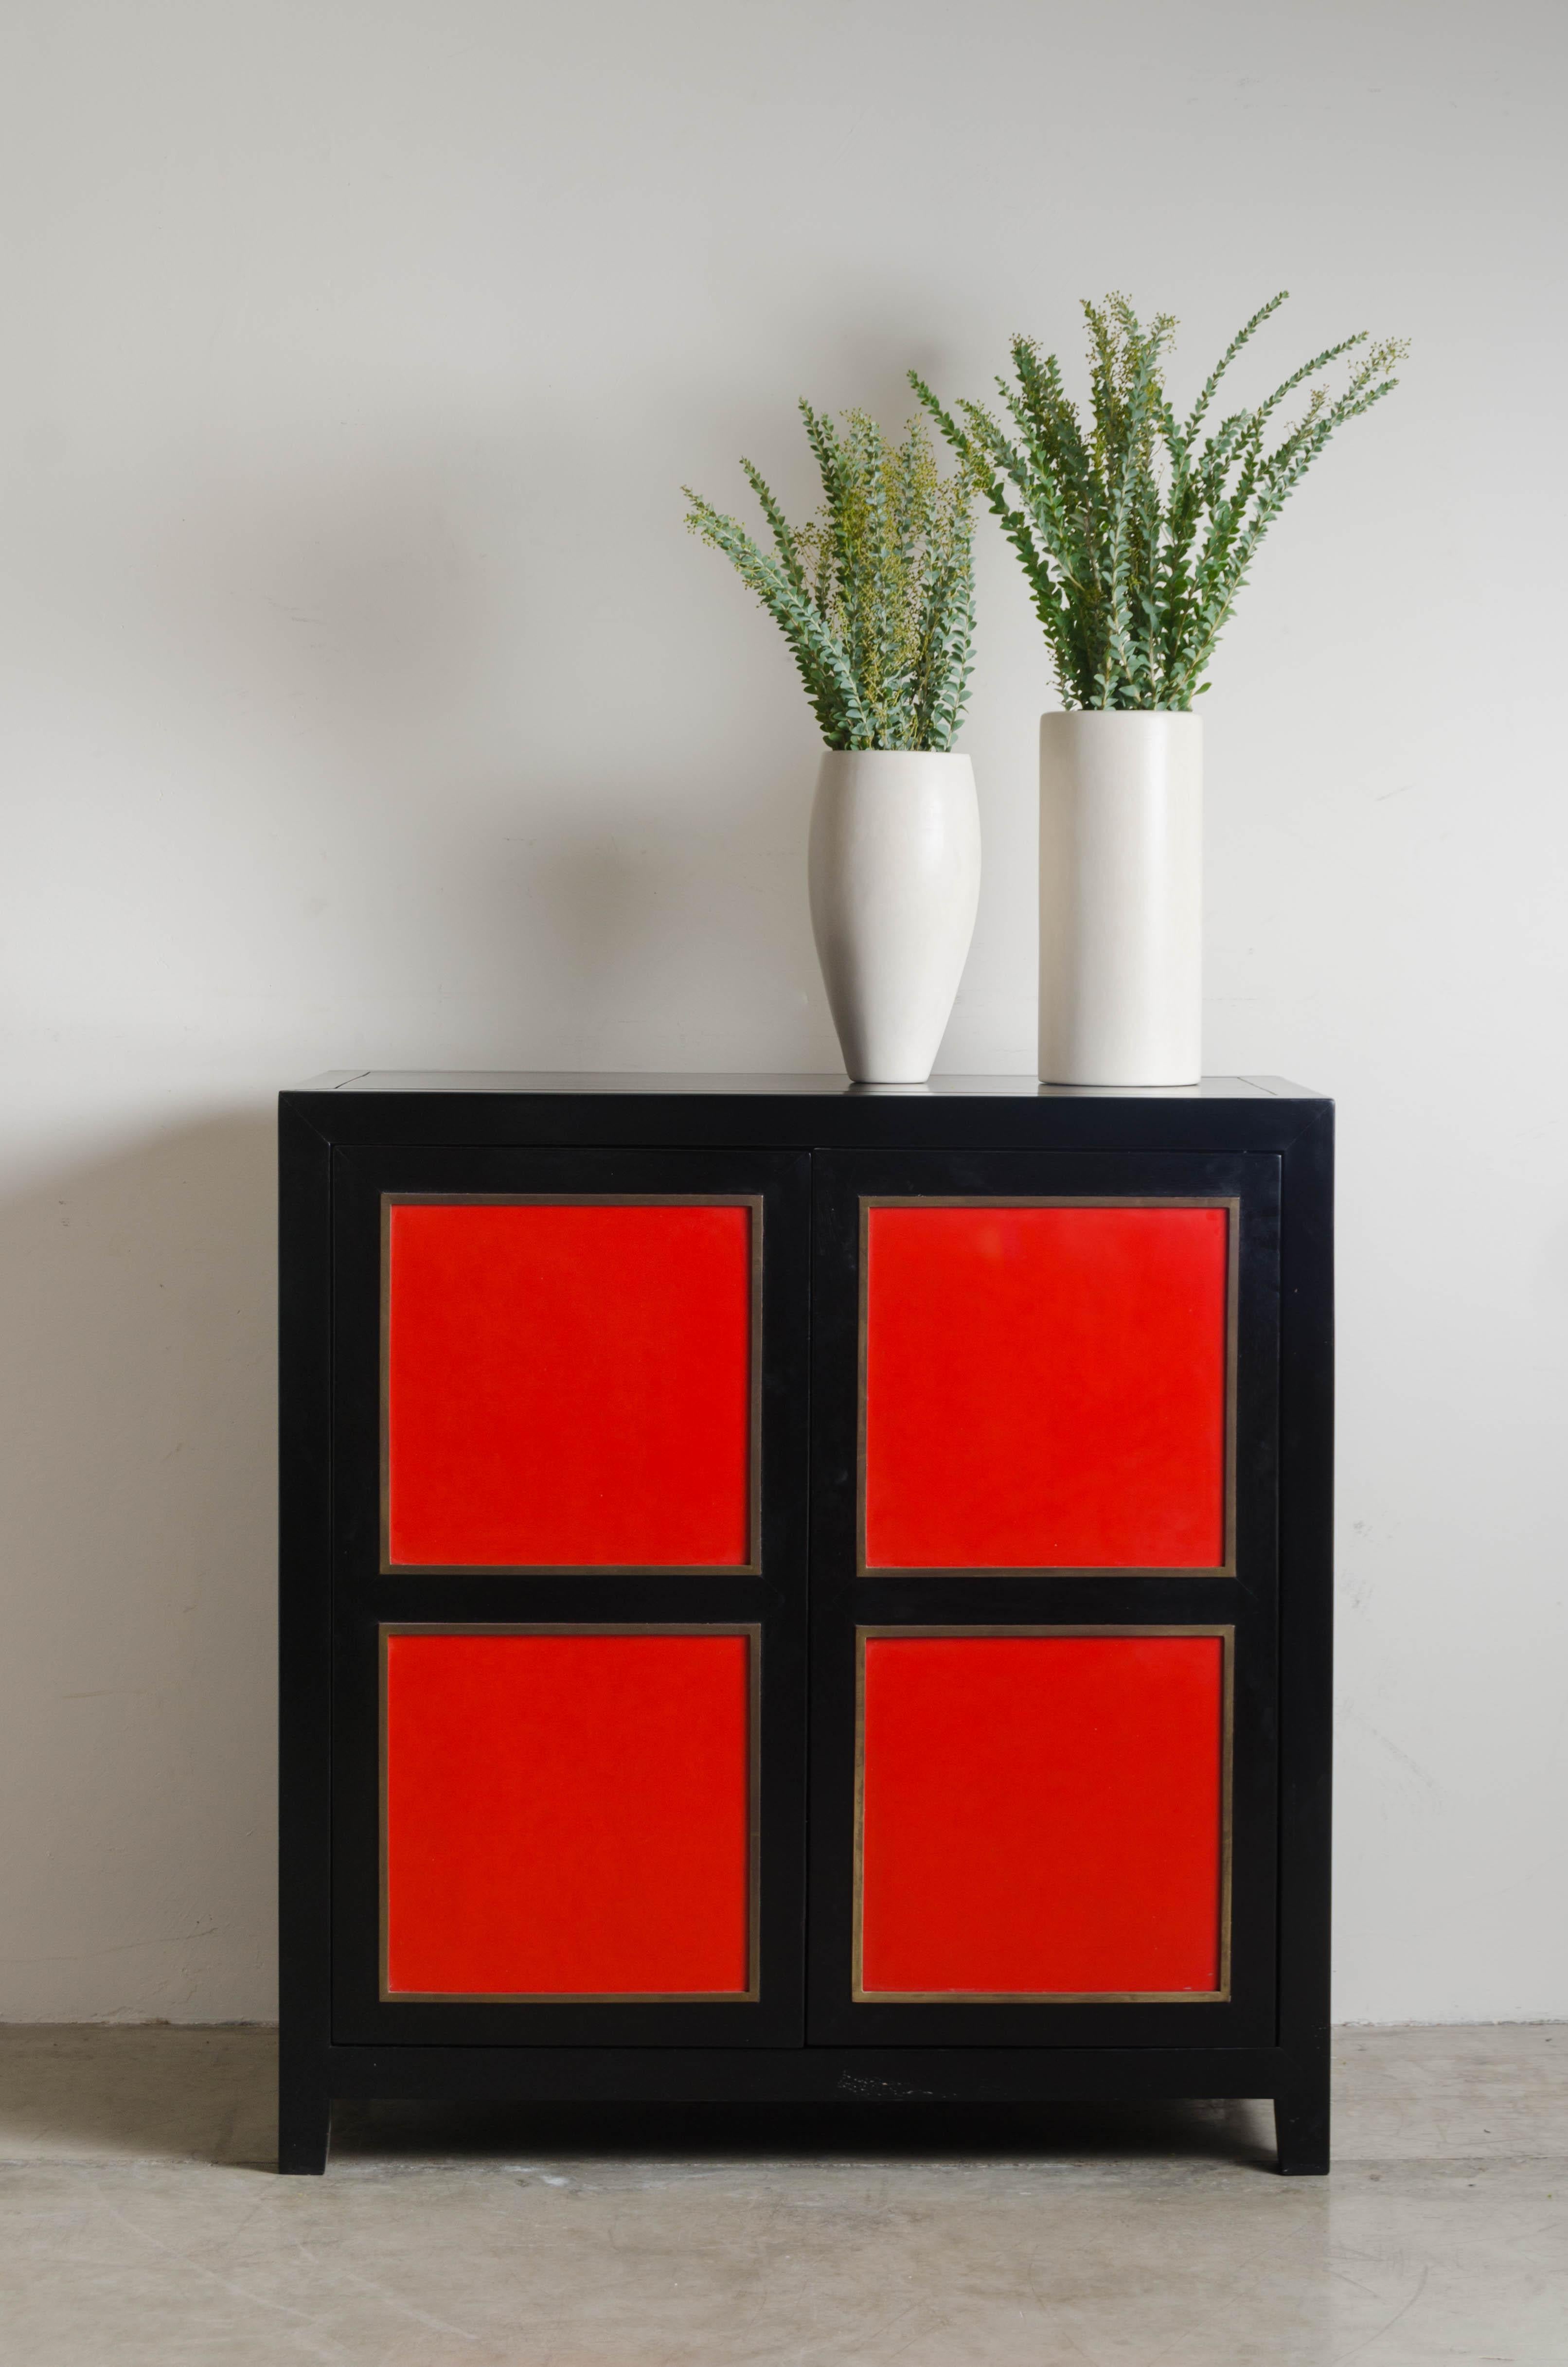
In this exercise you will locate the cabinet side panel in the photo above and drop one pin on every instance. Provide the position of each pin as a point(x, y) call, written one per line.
point(1306, 1568)
point(304, 1630)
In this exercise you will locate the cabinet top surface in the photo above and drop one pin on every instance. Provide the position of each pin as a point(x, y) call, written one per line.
point(825, 1087)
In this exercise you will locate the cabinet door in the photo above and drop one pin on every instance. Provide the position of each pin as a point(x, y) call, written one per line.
point(568, 1596)
point(1045, 1597)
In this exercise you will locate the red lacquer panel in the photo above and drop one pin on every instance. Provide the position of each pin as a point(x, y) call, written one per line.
point(1045, 1387)
point(568, 1815)
point(569, 1385)
point(1042, 1813)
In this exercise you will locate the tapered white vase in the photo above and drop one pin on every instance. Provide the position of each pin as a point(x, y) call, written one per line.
point(1120, 898)
point(894, 878)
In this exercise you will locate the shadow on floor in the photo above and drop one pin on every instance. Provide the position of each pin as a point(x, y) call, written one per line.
point(158, 2093)
point(80, 2092)
point(1235, 2132)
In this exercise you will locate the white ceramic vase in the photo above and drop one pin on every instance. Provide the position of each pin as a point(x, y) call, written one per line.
point(1120, 898)
point(894, 878)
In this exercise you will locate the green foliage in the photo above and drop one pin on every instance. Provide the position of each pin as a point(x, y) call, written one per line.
point(875, 596)
point(1135, 538)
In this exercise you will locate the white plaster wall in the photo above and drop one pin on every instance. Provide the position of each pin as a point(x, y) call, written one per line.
point(364, 704)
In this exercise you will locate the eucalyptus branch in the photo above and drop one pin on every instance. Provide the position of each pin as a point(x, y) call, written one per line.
point(1135, 539)
point(875, 596)
point(1243, 337)
point(789, 557)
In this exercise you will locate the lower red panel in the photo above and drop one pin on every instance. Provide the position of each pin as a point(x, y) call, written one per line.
point(1042, 1813)
point(568, 1816)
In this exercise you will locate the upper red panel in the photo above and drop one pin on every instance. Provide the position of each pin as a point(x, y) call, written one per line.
point(1042, 1813)
point(570, 1385)
point(1045, 1387)
point(567, 1815)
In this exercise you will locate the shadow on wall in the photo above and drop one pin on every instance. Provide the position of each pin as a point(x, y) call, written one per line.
point(138, 1475)
point(639, 941)
point(497, 800)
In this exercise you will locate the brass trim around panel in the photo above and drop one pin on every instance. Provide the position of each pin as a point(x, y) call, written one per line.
point(752, 1630)
point(1222, 1996)
point(1229, 1201)
point(752, 1566)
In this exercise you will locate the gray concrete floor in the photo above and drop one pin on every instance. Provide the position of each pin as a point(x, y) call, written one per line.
point(140, 2222)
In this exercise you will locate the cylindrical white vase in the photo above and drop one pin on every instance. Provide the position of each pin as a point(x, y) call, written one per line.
point(1120, 898)
point(894, 878)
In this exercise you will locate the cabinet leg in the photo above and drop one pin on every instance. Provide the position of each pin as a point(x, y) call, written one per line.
point(1301, 2130)
point(304, 2123)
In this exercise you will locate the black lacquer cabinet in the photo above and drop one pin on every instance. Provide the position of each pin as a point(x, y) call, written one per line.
point(794, 1591)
